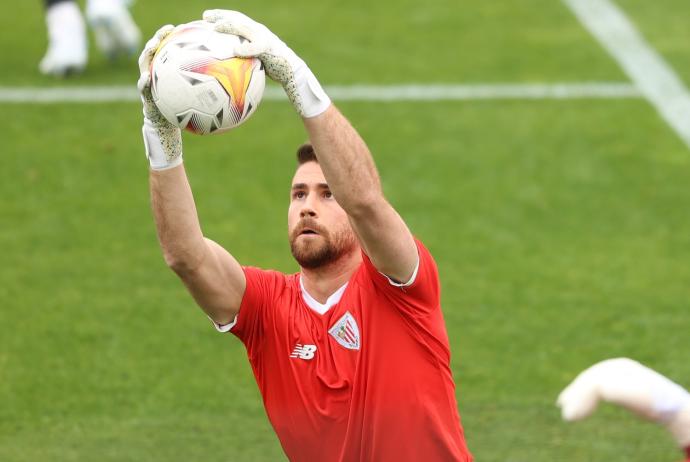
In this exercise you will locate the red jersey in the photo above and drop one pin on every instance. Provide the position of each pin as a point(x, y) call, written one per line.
point(367, 379)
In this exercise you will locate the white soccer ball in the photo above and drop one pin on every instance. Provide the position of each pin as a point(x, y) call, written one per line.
point(198, 84)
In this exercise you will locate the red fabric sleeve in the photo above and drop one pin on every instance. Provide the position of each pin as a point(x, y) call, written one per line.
point(422, 296)
point(262, 288)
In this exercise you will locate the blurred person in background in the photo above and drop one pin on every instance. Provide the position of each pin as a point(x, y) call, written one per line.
point(115, 31)
point(635, 387)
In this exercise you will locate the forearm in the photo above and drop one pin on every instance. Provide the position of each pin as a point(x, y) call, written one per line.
point(345, 160)
point(177, 223)
point(343, 156)
point(351, 175)
point(214, 278)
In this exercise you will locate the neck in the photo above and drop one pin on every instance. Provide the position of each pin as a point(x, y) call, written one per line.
point(323, 281)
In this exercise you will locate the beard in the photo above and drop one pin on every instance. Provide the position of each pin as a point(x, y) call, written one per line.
point(327, 248)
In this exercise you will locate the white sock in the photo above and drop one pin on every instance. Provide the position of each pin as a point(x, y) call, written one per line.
point(66, 25)
point(113, 26)
point(107, 5)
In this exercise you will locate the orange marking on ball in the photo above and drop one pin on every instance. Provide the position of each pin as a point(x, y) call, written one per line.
point(234, 75)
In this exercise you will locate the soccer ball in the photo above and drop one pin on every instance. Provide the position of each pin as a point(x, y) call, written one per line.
point(198, 84)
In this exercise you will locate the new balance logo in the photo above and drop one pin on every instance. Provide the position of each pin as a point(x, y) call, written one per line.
point(303, 351)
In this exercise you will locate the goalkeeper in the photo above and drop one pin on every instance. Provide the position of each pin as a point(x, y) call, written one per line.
point(351, 353)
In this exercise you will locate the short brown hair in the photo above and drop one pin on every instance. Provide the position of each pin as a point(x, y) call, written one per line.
point(305, 153)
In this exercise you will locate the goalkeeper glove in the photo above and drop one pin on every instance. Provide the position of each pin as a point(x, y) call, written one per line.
point(162, 140)
point(280, 62)
point(633, 386)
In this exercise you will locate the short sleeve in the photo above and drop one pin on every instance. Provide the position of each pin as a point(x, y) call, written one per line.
point(262, 289)
point(422, 295)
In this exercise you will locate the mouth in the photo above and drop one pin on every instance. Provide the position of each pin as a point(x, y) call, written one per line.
point(308, 232)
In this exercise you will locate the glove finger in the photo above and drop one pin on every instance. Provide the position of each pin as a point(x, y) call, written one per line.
point(144, 82)
point(244, 25)
point(226, 16)
point(164, 31)
point(146, 55)
point(215, 15)
point(581, 397)
point(249, 49)
point(152, 46)
point(240, 30)
point(211, 15)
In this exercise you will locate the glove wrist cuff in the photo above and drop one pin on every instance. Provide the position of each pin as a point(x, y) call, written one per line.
point(163, 146)
point(314, 99)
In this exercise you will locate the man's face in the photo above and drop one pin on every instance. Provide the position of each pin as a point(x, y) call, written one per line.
point(318, 228)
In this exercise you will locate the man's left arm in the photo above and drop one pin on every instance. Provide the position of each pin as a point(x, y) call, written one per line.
point(344, 157)
point(353, 179)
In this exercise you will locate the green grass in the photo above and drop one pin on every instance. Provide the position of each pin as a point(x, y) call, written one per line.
point(560, 229)
point(438, 40)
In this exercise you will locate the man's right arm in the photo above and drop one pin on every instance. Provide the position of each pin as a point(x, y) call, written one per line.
point(213, 277)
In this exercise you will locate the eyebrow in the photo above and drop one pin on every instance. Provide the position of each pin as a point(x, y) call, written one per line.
point(306, 186)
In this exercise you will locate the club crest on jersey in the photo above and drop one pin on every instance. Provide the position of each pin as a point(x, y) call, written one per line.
point(346, 332)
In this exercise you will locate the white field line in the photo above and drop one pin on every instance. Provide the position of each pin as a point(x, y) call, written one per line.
point(655, 79)
point(389, 93)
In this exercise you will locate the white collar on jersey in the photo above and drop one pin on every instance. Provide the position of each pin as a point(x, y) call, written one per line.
point(317, 306)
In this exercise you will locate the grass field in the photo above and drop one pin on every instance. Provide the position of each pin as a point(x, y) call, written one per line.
point(560, 229)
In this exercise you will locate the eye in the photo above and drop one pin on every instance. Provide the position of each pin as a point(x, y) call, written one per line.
point(327, 194)
point(299, 195)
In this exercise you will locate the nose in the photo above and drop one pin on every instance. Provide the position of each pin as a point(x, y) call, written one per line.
point(308, 207)
point(307, 212)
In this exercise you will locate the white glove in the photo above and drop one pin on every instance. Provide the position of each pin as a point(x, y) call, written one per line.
point(162, 140)
point(281, 63)
point(633, 386)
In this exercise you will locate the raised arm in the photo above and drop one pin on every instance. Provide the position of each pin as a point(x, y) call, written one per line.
point(354, 181)
point(213, 277)
point(344, 158)
point(211, 274)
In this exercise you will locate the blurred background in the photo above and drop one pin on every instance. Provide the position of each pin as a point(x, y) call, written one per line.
point(560, 227)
